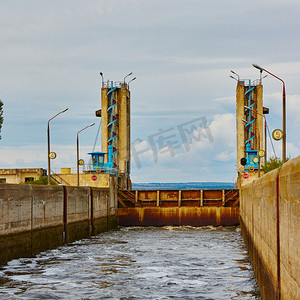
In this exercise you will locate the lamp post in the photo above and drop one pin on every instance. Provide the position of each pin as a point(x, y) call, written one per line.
point(234, 78)
point(258, 135)
point(78, 150)
point(101, 74)
point(126, 77)
point(265, 128)
point(261, 78)
point(238, 80)
point(131, 80)
point(283, 111)
point(48, 141)
point(235, 74)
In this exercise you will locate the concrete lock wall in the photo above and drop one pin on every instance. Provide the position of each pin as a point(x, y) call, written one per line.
point(270, 222)
point(36, 218)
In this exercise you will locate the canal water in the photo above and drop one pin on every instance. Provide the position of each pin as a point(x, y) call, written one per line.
point(138, 263)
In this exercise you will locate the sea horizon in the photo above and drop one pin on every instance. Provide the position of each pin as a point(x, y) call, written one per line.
point(182, 185)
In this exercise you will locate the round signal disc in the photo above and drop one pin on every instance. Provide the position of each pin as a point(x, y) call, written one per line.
point(261, 153)
point(52, 155)
point(277, 134)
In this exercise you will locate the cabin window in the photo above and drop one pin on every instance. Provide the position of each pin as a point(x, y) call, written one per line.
point(101, 160)
point(95, 160)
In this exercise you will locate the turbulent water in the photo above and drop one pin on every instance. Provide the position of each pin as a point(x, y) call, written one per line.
point(138, 263)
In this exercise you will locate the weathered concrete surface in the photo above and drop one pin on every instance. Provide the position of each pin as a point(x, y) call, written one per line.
point(85, 179)
point(36, 218)
point(25, 212)
point(121, 128)
point(178, 216)
point(241, 102)
point(270, 222)
point(258, 224)
point(289, 192)
point(100, 209)
point(78, 213)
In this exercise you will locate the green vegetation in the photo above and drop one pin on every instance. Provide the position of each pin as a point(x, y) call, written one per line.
point(272, 164)
point(1, 116)
point(43, 180)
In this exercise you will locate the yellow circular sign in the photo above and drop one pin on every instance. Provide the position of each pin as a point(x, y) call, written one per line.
point(261, 153)
point(98, 170)
point(81, 162)
point(52, 155)
point(277, 134)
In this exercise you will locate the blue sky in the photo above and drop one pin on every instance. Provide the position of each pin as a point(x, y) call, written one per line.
point(181, 53)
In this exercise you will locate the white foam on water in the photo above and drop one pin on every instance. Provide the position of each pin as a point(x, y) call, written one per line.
point(140, 263)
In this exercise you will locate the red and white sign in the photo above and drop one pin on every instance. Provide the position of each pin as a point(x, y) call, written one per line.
point(94, 177)
point(245, 175)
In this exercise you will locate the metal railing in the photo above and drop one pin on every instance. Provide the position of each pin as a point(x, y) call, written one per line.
point(85, 169)
point(247, 82)
point(116, 84)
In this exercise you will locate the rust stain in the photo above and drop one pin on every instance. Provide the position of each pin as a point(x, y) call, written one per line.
point(212, 194)
point(177, 216)
point(147, 195)
point(169, 195)
point(190, 194)
point(172, 211)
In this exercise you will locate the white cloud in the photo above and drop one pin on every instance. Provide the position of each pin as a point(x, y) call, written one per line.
point(52, 53)
point(197, 158)
point(225, 156)
point(223, 129)
point(225, 100)
point(292, 150)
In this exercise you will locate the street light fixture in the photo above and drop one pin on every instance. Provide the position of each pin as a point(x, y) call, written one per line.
point(48, 141)
point(283, 111)
point(131, 80)
point(101, 74)
point(78, 150)
point(234, 78)
point(126, 77)
point(235, 74)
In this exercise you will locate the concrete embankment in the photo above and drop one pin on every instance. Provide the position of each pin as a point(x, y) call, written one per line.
point(270, 222)
point(36, 218)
